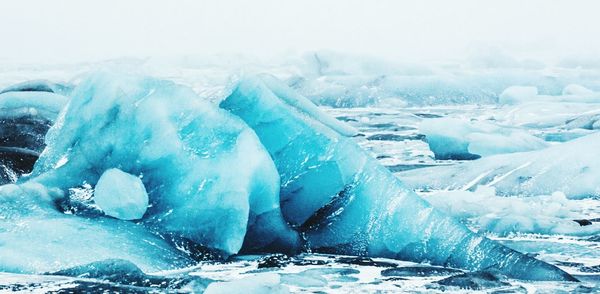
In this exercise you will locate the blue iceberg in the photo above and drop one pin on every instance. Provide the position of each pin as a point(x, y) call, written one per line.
point(268, 172)
point(343, 202)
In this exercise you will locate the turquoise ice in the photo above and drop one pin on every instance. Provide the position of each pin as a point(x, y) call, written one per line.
point(344, 202)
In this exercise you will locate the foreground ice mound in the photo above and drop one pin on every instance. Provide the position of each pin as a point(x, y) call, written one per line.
point(207, 176)
point(451, 138)
point(344, 202)
point(35, 237)
point(570, 167)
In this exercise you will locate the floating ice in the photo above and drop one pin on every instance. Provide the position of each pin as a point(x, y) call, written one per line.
point(208, 178)
point(344, 202)
point(571, 93)
point(259, 283)
point(121, 195)
point(35, 237)
point(569, 167)
point(544, 214)
point(451, 138)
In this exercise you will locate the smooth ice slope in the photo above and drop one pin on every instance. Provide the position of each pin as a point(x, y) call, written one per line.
point(208, 178)
point(39, 86)
point(35, 237)
point(450, 138)
point(344, 202)
point(121, 195)
point(571, 168)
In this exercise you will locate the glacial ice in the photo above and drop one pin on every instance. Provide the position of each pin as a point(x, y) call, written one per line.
point(541, 214)
point(344, 202)
point(39, 86)
point(121, 195)
point(571, 93)
point(208, 178)
point(568, 167)
point(25, 117)
point(451, 138)
point(35, 237)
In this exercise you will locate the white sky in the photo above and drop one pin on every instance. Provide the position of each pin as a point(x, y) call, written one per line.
point(77, 30)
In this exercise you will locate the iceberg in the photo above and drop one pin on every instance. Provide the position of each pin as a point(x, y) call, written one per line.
point(207, 176)
point(343, 202)
point(451, 138)
point(565, 167)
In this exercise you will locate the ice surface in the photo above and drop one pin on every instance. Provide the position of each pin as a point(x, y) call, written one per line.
point(208, 177)
point(260, 283)
point(543, 214)
point(571, 93)
point(569, 167)
point(24, 120)
point(121, 195)
point(42, 104)
point(39, 86)
point(344, 202)
point(35, 237)
point(451, 138)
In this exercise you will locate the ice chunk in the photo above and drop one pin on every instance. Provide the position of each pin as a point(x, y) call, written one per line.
point(451, 138)
point(121, 195)
point(42, 104)
point(543, 214)
point(259, 283)
point(344, 202)
point(569, 167)
point(39, 86)
point(35, 237)
point(208, 178)
point(518, 94)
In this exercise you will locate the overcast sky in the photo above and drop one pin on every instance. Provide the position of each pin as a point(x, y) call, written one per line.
point(74, 30)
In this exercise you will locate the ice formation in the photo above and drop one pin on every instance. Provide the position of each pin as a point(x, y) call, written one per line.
point(214, 181)
point(121, 195)
point(525, 94)
point(25, 117)
point(36, 237)
point(569, 167)
point(451, 138)
point(344, 202)
point(183, 148)
point(39, 86)
point(542, 214)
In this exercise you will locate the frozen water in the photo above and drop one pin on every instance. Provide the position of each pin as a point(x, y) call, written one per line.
point(121, 195)
point(260, 283)
point(39, 86)
point(42, 104)
point(344, 202)
point(525, 94)
point(451, 138)
point(568, 167)
point(36, 237)
point(182, 147)
point(543, 214)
